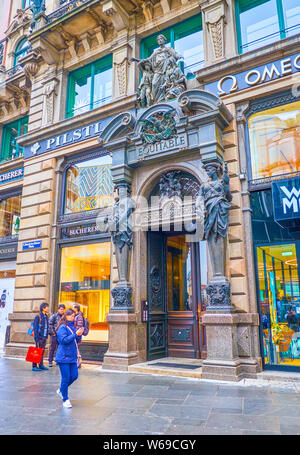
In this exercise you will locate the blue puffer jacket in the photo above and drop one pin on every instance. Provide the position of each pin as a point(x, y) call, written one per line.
point(67, 351)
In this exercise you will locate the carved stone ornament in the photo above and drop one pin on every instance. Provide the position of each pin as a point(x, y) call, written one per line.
point(122, 75)
point(219, 294)
point(170, 185)
point(162, 78)
point(49, 98)
point(160, 126)
point(122, 297)
point(214, 18)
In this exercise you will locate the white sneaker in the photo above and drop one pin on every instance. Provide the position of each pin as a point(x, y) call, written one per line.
point(59, 393)
point(67, 404)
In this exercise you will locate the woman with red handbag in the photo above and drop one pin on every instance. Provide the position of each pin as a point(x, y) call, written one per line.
point(67, 355)
point(41, 332)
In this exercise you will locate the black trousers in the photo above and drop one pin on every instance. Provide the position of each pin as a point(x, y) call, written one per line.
point(41, 343)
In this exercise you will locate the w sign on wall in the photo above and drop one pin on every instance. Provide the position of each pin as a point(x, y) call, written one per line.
point(286, 200)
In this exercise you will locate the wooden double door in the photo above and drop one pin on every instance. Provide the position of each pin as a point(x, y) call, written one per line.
point(174, 297)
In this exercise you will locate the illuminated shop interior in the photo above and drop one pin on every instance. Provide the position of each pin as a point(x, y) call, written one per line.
point(85, 280)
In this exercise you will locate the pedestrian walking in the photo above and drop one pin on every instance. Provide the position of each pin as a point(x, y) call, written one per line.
point(53, 321)
point(79, 318)
point(41, 331)
point(67, 353)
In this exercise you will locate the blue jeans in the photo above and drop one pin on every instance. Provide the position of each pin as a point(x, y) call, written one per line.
point(69, 374)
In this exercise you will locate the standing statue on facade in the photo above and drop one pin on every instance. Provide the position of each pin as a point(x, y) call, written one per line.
point(145, 86)
point(168, 80)
point(120, 227)
point(217, 202)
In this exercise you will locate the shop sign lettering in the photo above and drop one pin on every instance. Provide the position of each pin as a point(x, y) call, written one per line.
point(286, 199)
point(177, 142)
point(67, 138)
point(256, 76)
point(8, 251)
point(11, 176)
point(80, 231)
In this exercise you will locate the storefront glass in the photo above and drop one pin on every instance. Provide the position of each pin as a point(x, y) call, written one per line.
point(89, 185)
point(277, 257)
point(10, 209)
point(275, 141)
point(85, 279)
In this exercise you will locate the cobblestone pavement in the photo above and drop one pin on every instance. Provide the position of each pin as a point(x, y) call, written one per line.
point(119, 403)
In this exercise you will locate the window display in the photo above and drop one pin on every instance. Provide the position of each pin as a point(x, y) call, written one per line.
point(10, 210)
point(89, 185)
point(279, 300)
point(275, 140)
point(85, 280)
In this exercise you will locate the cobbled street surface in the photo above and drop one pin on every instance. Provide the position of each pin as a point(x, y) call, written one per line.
point(133, 404)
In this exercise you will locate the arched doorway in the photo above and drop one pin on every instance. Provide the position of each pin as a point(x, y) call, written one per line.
point(177, 269)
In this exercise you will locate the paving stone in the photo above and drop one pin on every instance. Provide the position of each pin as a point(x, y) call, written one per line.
point(179, 411)
point(243, 422)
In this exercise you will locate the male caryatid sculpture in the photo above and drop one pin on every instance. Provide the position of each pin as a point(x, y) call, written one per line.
point(217, 202)
point(162, 78)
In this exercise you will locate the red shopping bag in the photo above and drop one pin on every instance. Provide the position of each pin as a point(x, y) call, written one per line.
point(34, 354)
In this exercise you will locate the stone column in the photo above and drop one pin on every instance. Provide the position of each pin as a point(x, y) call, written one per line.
point(122, 350)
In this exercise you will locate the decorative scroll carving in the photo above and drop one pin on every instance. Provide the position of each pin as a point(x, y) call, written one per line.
point(122, 75)
point(49, 97)
point(122, 297)
point(170, 185)
point(214, 18)
point(156, 335)
point(155, 287)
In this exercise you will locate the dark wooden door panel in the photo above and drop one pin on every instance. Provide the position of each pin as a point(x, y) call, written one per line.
point(157, 321)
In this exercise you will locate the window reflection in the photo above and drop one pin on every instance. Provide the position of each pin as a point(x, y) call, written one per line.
point(89, 185)
point(275, 141)
point(179, 273)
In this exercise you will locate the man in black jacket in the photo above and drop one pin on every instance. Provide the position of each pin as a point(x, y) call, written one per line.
point(41, 331)
point(53, 321)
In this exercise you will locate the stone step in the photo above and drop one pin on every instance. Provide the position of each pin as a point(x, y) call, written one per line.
point(151, 368)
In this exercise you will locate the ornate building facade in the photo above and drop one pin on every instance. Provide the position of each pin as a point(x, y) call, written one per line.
point(183, 116)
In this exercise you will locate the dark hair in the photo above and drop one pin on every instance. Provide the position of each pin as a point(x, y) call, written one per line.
point(63, 319)
point(61, 305)
point(43, 305)
point(76, 306)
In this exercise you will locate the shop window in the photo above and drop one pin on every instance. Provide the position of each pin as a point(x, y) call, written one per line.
point(85, 279)
point(90, 87)
point(89, 185)
point(279, 302)
point(10, 209)
point(260, 22)
point(274, 137)
point(10, 149)
point(186, 38)
point(21, 51)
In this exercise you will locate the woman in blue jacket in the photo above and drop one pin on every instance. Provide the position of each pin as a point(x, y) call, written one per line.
point(67, 353)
